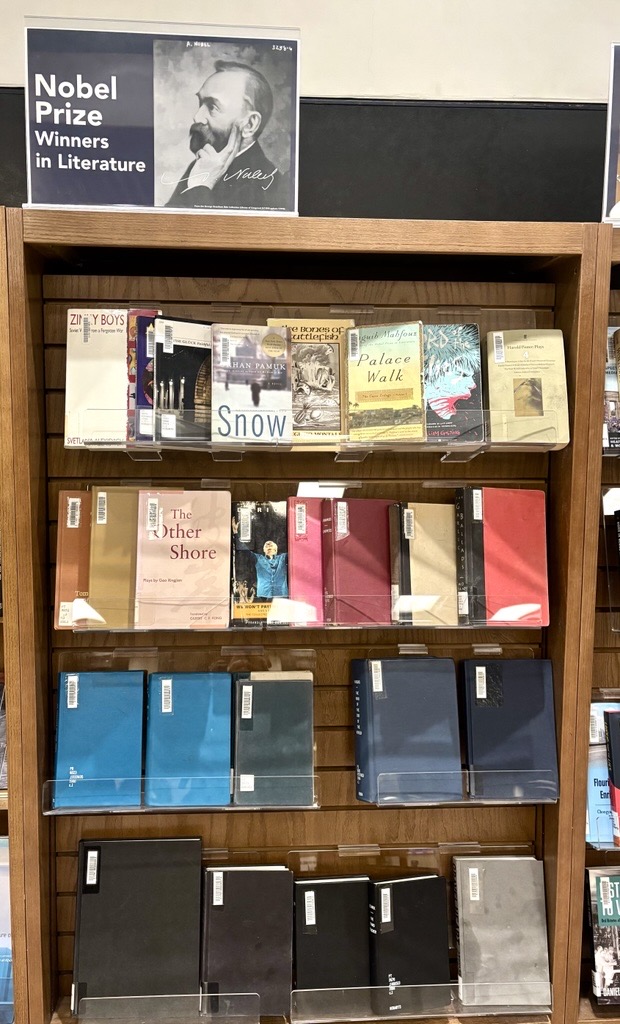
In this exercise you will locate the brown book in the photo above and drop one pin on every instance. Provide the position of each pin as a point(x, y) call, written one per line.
point(72, 559)
point(113, 545)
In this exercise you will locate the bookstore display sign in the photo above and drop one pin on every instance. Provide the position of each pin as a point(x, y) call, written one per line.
point(164, 117)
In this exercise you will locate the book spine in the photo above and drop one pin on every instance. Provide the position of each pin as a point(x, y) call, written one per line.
point(617, 522)
point(394, 515)
point(612, 740)
point(462, 582)
point(474, 528)
point(366, 785)
point(329, 560)
point(374, 913)
point(457, 933)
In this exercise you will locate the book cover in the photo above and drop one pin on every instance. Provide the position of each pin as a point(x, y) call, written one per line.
point(305, 560)
point(603, 914)
point(252, 397)
point(188, 739)
point(259, 561)
point(384, 383)
point(6, 951)
point(502, 932)
point(511, 743)
point(611, 401)
point(112, 565)
point(182, 381)
point(612, 742)
point(98, 760)
point(331, 934)
point(96, 378)
point(597, 718)
point(526, 388)
point(145, 373)
point(183, 560)
point(137, 930)
point(423, 546)
point(453, 383)
point(318, 361)
point(406, 730)
point(133, 316)
point(356, 561)
point(71, 606)
point(248, 935)
point(274, 740)
point(409, 945)
point(599, 827)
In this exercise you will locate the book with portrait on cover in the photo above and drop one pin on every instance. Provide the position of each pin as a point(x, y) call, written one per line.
point(259, 560)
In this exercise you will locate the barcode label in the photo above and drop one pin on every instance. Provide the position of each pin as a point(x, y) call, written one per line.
point(92, 866)
point(498, 345)
point(150, 342)
point(65, 613)
point(481, 682)
point(354, 344)
point(72, 691)
point(615, 823)
point(605, 891)
point(474, 884)
point(310, 907)
point(463, 602)
point(246, 783)
point(224, 350)
point(166, 696)
point(246, 701)
point(376, 672)
point(152, 513)
point(101, 516)
point(386, 906)
point(301, 519)
point(85, 329)
point(145, 420)
point(593, 729)
point(218, 888)
point(342, 518)
point(168, 425)
point(74, 513)
point(408, 523)
point(168, 338)
point(245, 525)
point(476, 498)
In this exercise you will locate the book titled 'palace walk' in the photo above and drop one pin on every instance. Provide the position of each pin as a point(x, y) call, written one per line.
point(384, 380)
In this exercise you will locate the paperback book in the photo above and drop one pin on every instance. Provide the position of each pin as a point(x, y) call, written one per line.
point(259, 562)
point(423, 558)
point(145, 374)
point(599, 826)
point(71, 607)
point(453, 383)
point(603, 911)
point(133, 318)
point(384, 383)
point(182, 381)
point(96, 378)
point(612, 742)
point(611, 407)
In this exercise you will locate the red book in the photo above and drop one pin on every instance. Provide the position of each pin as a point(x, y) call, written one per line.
point(612, 740)
point(356, 561)
point(515, 557)
point(305, 563)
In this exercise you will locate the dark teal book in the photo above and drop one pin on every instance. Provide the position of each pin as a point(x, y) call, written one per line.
point(188, 739)
point(99, 740)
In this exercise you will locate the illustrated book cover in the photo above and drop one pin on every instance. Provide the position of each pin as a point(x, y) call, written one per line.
point(145, 375)
point(599, 826)
point(260, 570)
point(384, 383)
point(96, 378)
point(182, 381)
point(71, 606)
point(423, 550)
point(356, 561)
point(453, 384)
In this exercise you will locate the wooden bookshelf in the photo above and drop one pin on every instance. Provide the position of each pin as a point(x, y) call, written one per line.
point(244, 269)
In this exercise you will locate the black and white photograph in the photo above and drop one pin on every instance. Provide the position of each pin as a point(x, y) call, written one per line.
point(260, 558)
point(225, 124)
point(316, 387)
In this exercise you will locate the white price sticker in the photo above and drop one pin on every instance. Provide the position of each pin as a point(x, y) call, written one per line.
point(145, 421)
point(408, 523)
point(168, 339)
point(474, 884)
point(166, 696)
point(376, 671)
point(476, 498)
point(498, 346)
point(386, 906)
point(218, 889)
point(245, 525)
point(342, 518)
point(150, 342)
point(101, 514)
point(74, 513)
point(301, 519)
point(463, 602)
point(65, 613)
point(168, 424)
point(224, 350)
point(481, 682)
point(246, 783)
point(310, 908)
point(72, 691)
point(354, 344)
point(246, 701)
point(92, 867)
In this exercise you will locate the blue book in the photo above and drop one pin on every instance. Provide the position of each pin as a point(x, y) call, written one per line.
point(188, 739)
point(99, 739)
point(599, 827)
point(406, 730)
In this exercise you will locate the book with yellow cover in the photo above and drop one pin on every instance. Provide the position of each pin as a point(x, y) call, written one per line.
point(113, 545)
point(384, 383)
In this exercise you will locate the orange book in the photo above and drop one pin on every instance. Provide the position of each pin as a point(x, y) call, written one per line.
point(72, 559)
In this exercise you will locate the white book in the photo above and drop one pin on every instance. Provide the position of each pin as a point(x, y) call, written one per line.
point(96, 384)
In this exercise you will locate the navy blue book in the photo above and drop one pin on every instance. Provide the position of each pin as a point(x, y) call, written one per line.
point(406, 730)
point(99, 739)
point(511, 745)
point(188, 739)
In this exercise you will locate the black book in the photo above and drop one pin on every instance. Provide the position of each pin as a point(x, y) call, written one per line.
point(274, 744)
point(409, 945)
point(248, 937)
point(182, 381)
point(469, 556)
point(331, 933)
point(511, 745)
point(137, 927)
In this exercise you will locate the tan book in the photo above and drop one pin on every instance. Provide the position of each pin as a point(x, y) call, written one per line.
point(384, 383)
point(526, 388)
point(423, 552)
point(113, 545)
point(318, 376)
point(71, 606)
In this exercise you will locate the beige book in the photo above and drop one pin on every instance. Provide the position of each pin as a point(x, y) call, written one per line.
point(113, 546)
point(423, 549)
point(384, 383)
point(526, 388)
point(318, 377)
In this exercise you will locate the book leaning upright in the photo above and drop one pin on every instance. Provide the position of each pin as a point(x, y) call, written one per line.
point(384, 383)
point(96, 378)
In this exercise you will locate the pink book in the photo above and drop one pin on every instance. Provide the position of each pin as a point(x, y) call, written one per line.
point(305, 563)
point(183, 560)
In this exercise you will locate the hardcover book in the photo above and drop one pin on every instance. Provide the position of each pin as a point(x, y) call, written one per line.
point(526, 388)
point(612, 738)
point(511, 745)
point(259, 562)
point(406, 730)
point(248, 935)
point(137, 930)
point(611, 407)
point(96, 379)
point(597, 718)
point(274, 740)
point(183, 560)
point(6, 951)
point(112, 567)
point(188, 739)
point(423, 549)
point(182, 381)
point(145, 373)
point(356, 561)
point(502, 932)
point(252, 398)
point(603, 911)
point(599, 827)
point(409, 945)
point(71, 606)
point(501, 546)
point(318, 351)
point(384, 383)
point(98, 759)
point(331, 934)
point(305, 560)
point(453, 383)
point(133, 318)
